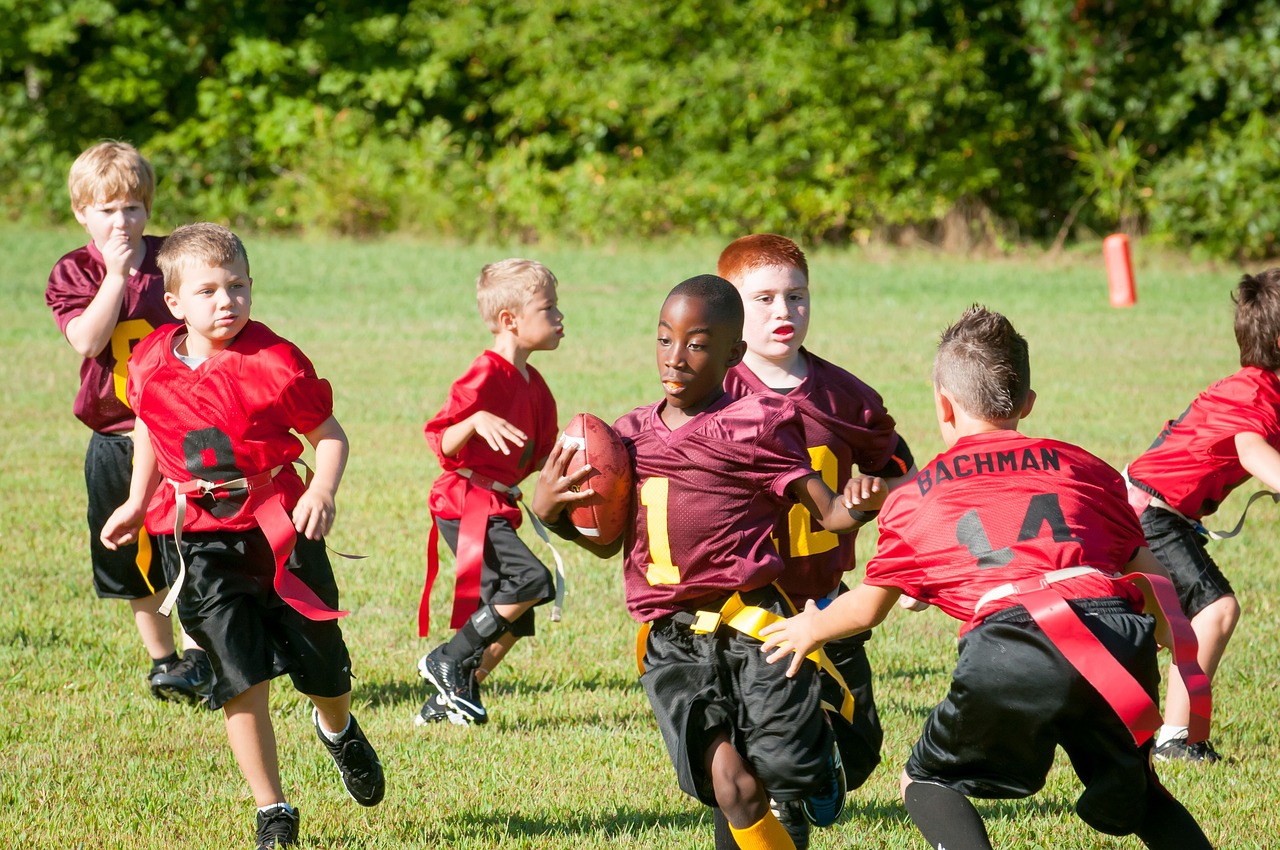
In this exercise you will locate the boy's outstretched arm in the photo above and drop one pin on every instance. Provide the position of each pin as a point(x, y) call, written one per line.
point(121, 528)
point(316, 509)
point(843, 512)
point(860, 609)
point(555, 491)
point(1258, 458)
point(497, 432)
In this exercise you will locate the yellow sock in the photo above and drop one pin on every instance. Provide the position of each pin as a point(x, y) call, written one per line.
point(768, 833)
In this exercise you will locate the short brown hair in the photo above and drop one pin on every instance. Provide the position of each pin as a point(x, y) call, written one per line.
point(1257, 301)
point(757, 251)
point(508, 285)
point(984, 364)
point(109, 171)
point(202, 242)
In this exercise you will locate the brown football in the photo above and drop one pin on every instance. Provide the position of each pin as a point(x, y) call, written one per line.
point(604, 516)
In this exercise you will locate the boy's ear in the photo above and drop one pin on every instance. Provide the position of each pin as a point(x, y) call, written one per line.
point(507, 320)
point(736, 353)
point(171, 301)
point(1030, 403)
point(79, 214)
point(945, 406)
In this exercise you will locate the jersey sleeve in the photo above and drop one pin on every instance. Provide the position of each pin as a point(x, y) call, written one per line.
point(781, 457)
point(464, 399)
point(70, 290)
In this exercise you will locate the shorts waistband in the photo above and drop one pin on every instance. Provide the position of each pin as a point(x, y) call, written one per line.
point(1018, 615)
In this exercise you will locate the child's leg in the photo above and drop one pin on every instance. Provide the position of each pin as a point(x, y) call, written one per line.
point(1213, 627)
point(351, 751)
point(743, 800)
point(155, 628)
point(493, 655)
point(333, 713)
point(253, 741)
point(944, 817)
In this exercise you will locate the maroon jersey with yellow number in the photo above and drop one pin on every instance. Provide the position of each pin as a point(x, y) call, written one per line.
point(707, 497)
point(1193, 465)
point(845, 423)
point(1001, 507)
point(232, 416)
point(74, 281)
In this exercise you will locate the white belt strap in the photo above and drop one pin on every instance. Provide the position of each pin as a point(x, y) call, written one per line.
point(1010, 588)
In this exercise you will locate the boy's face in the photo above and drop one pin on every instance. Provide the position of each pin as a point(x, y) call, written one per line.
point(539, 325)
point(117, 218)
point(695, 350)
point(776, 299)
point(214, 302)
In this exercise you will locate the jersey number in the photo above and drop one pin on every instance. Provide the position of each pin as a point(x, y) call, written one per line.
point(804, 539)
point(653, 495)
point(1043, 508)
point(123, 339)
point(210, 456)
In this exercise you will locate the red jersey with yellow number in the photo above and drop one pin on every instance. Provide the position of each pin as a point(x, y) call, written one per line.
point(707, 497)
point(1193, 464)
point(845, 423)
point(100, 403)
point(1001, 507)
point(495, 385)
point(232, 416)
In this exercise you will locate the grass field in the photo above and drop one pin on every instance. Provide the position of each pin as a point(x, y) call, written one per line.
point(572, 757)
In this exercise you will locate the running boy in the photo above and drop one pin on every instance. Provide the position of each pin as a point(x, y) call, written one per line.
point(496, 427)
point(217, 400)
point(1022, 540)
point(1229, 433)
point(713, 475)
point(106, 297)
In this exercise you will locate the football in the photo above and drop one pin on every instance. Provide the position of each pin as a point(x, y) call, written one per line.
point(604, 516)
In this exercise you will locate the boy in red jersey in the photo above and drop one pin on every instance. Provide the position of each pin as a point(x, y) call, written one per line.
point(713, 474)
point(106, 297)
point(1229, 433)
point(845, 423)
point(218, 400)
point(496, 427)
point(1022, 540)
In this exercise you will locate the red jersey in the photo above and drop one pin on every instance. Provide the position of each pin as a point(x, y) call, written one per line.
point(74, 281)
point(1001, 507)
point(1193, 464)
point(230, 417)
point(707, 497)
point(493, 384)
point(845, 423)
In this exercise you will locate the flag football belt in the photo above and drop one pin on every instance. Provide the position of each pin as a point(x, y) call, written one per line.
point(1064, 628)
point(1140, 498)
point(470, 555)
point(749, 620)
point(268, 510)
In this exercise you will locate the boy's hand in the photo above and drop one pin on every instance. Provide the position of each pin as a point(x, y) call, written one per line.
point(122, 527)
point(793, 635)
point(314, 514)
point(557, 488)
point(865, 493)
point(497, 432)
point(910, 603)
point(118, 256)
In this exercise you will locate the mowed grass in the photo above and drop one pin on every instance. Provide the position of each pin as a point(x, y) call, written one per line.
point(572, 757)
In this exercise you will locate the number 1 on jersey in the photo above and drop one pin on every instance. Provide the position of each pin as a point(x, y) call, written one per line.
point(653, 495)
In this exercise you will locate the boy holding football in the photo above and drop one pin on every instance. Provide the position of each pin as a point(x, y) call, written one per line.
point(218, 401)
point(1023, 540)
point(1229, 433)
point(106, 297)
point(712, 475)
point(496, 427)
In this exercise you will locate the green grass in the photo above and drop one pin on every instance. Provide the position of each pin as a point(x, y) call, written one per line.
point(572, 757)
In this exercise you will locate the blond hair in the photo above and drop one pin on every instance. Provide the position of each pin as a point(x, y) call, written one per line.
point(202, 242)
point(508, 285)
point(111, 171)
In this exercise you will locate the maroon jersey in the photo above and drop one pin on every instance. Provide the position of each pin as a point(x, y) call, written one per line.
point(230, 417)
point(845, 423)
point(706, 500)
point(1001, 507)
point(74, 281)
point(495, 385)
point(1193, 464)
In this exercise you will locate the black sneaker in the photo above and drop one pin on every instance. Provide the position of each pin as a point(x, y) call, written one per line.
point(1177, 749)
point(185, 680)
point(794, 821)
point(457, 687)
point(277, 827)
point(823, 807)
point(435, 710)
point(357, 762)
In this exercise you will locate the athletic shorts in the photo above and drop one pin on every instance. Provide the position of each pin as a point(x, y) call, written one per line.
point(859, 741)
point(1181, 548)
point(228, 604)
point(699, 685)
point(1014, 698)
point(130, 572)
point(510, 572)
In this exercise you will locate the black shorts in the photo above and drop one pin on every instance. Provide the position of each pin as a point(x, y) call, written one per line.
point(510, 572)
point(860, 740)
point(699, 685)
point(1181, 548)
point(228, 604)
point(130, 572)
point(1014, 698)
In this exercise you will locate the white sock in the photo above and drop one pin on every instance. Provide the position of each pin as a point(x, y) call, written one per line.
point(334, 737)
point(1170, 733)
point(274, 806)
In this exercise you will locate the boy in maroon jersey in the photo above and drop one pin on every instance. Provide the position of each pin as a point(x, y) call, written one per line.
point(1022, 540)
point(496, 427)
point(1229, 433)
point(106, 297)
point(713, 474)
point(218, 401)
point(845, 423)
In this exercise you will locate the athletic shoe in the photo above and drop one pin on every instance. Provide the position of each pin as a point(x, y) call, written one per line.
point(1177, 749)
point(793, 820)
point(185, 680)
point(824, 806)
point(435, 710)
point(357, 762)
point(277, 827)
point(457, 686)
